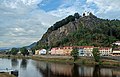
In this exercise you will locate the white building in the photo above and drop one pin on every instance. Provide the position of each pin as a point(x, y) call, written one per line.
point(43, 52)
point(88, 50)
point(116, 52)
point(117, 43)
point(105, 51)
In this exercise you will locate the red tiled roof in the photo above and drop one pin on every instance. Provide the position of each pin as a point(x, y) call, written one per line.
point(74, 47)
point(104, 48)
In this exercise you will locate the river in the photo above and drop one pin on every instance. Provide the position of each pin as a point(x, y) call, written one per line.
point(31, 68)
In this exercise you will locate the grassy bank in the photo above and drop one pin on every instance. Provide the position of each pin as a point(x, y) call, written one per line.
point(64, 59)
point(6, 75)
point(81, 60)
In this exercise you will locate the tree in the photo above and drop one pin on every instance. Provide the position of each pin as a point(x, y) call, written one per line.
point(74, 54)
point(24, 51)
point(96, 54)
point(14, 51)
point(76, 15)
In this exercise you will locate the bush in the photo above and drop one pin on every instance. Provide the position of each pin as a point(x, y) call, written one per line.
point(74, 54)
point(96, 54)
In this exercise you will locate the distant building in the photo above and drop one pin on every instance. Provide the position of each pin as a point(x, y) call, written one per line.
point(105, 51)
point(116, 52)
point(117, 43)
point(30, 51)
point(81, 51)
point(61, 50)
point(86, 13)
point(88, 50)
point(37, 52)
point(41, 52)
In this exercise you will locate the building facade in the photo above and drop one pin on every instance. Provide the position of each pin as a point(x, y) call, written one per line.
point(41, 52)
point(105, 51)
point(88, 50)
point(117, 43)
point(61, 50)
point(116, 52)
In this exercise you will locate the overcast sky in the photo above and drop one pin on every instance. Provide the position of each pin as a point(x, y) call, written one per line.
point(23, 22)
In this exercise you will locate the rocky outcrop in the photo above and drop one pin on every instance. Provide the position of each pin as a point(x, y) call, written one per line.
point(52, 37)
point(99, 31)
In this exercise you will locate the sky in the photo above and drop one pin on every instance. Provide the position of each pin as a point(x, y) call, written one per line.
point(23, 22)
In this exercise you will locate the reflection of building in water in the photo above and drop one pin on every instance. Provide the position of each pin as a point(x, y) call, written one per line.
point(67, 70)
point(116, 73)
point(106, 72)
point(96, 71)
point(42, 65)
point(55, 69)
point(61, 69)
point(86, 71)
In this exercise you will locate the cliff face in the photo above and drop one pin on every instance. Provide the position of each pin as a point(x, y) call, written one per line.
point(62, 32)
point(90, 23)
point(50, 38)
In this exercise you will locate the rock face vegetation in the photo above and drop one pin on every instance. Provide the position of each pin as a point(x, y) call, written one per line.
point(77, 30)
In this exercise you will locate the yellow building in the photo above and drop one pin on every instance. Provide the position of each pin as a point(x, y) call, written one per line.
point(61, 50)
point(37, 52)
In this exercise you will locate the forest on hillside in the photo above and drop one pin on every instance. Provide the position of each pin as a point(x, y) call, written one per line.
point(92, 31)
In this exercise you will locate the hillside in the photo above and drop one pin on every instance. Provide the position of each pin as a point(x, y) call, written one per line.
point(81, 30)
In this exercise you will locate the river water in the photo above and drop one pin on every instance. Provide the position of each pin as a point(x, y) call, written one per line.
point(31, 68)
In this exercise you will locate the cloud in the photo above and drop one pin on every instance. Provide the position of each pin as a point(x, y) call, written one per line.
point(106, 8)
point(22, 22)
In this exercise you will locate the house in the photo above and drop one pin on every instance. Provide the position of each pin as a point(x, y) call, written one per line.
point(37, 52)
point(30, 51)
point(81, 52)
point(105, 51)
point(67, 50)
point(116, 52)
point(88, 50)
point(56, 51)
point(117, 43)
point(43, 52)
point(61, 50)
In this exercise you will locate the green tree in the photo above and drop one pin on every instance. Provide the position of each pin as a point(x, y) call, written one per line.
point(24, 51)
point(96, 54)
point(74, 54)
point(14, 51)
point(76, 15)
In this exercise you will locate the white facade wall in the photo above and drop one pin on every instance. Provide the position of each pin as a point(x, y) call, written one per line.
point(105, 51)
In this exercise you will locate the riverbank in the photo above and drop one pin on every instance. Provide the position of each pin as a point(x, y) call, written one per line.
point(67, 59)
point(6, 75)
point(81, 60)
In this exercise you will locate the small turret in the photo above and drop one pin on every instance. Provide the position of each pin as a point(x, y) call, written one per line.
point(86, 13)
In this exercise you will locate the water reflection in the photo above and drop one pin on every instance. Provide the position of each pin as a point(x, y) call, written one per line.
point(14, 62)
point(31, 68)
point(73, 70)
point(23, 63)
point(96, 71)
